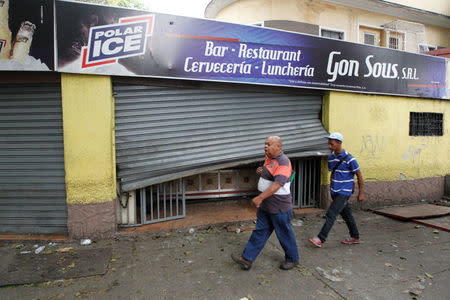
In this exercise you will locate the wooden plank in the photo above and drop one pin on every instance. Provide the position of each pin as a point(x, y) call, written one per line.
point(441, 223)
point(415, 211)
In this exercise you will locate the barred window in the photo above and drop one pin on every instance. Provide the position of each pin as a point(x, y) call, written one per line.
point(393, 43)
point(425, 124)
point(369, 38)
point(333, 34)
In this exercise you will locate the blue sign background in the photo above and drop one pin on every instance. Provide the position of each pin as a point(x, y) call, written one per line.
point(190, 48)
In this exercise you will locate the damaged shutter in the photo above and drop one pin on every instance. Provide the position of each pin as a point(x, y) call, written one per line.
point(32, 185)
point(163, 133)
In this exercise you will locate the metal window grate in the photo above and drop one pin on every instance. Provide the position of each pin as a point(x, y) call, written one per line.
point(337, 35)
point(393, 43)
point(161, 202)
point(306, 185)
point(425, 124)
point(369, 39)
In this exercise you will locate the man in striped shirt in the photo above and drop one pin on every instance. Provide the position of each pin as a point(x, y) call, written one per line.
point(343, 167)
point(274, 208)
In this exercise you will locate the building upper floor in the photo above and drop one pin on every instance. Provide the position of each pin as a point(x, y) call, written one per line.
point(409, 25)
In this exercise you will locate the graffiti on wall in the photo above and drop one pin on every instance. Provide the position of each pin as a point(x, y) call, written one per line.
point(415, 156)
point(371, 144)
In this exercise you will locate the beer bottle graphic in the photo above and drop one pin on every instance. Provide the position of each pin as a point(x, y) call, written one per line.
point(5, 32)
point(22, 42)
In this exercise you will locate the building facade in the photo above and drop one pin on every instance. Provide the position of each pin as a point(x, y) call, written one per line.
point(89, 145)
point(377, 129)
point(403, 25)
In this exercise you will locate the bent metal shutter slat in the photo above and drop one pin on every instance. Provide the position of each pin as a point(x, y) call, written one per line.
point(163, 133)
point(32, 185)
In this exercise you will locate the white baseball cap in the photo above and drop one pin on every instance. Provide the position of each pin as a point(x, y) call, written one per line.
point(336, 136)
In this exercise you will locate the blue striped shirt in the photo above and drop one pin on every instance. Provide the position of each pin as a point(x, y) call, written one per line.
point(343, 177)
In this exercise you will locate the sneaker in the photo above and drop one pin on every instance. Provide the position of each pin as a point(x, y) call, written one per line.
point(350, 241)
point(316, 241)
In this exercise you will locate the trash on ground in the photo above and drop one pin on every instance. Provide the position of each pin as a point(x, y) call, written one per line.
point(191, 230)
point(85, 242)
point(19, 246)
point(297, 223)
point(39, 249)
point(25, 252)
point(66, 249)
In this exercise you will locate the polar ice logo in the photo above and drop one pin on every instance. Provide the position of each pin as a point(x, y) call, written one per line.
point(108, 43)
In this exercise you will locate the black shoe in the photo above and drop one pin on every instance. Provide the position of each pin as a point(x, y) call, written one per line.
point(245, 264)
point(288, 265)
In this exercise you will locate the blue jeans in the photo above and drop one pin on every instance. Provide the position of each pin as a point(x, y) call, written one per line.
point(339, 206)
point(265, 224)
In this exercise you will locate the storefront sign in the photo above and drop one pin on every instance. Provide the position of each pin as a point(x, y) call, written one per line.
point(115, 41)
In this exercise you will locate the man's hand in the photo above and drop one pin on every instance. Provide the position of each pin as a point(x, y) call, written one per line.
point(259, 171)
point(272, 189)
point(360, 197)
point(257, 201)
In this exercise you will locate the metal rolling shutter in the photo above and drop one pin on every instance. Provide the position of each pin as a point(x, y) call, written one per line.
point(163, 133)
point(32, 186)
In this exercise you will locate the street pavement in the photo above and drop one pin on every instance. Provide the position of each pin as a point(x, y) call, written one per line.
point(395, 260)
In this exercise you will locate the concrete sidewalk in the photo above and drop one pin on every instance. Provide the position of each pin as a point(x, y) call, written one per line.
point(396, 260)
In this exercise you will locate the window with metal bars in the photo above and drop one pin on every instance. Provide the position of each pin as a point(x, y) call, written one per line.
point(425, 124)
point(337, 35)
point(393, 43)
point(369, 38)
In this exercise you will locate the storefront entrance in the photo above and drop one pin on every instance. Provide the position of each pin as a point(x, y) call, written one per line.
point(179, 144)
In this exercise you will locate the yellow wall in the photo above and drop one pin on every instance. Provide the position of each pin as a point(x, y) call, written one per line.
point(88, 113)
point(318, 12)
point(376, 132)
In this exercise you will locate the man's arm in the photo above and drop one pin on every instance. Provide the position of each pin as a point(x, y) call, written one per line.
point(360, 185)
point(272, 189)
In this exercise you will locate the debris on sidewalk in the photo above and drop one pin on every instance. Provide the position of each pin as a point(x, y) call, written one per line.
point(328, 276)
point(65, 249)
point(19, 246)
point(297, 223)
point(39, 249)
point(86, 242)
point(237, 228)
